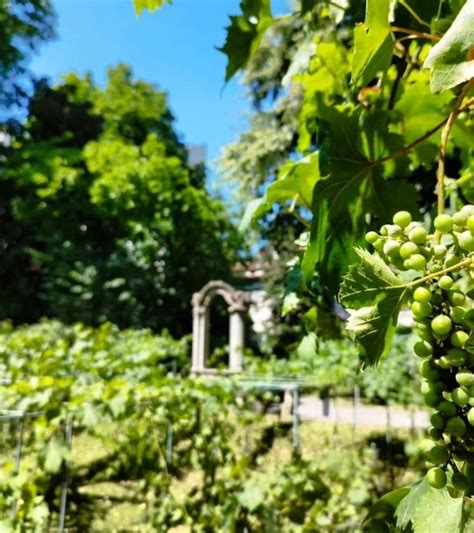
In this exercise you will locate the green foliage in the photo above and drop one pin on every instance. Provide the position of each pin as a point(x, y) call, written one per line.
point(373, 43)
point(103, 217)
point(222, 471)
point(150, 5)
point(450, 60)
point(245, 33)
point(377, 294)
point(23, 27)
point(417, 508)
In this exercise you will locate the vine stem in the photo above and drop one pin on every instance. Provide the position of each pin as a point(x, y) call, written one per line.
point(406, 149)
point(421, 34)
point(462, 264)
point(440, 174)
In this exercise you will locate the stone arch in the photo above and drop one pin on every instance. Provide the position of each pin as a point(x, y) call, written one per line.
point(237, 302)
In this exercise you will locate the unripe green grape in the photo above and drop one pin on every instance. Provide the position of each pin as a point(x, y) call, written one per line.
point(422, 294)
point(418, 235)
point(456, 426)
point(384, 230)
point(428, 386)
point(436, 477)
point(444, 362)
point(435, 434)
point(415, 262)
point(428, 371)
point(434, 268)
point(470, 416)
point(456, 356)
point(460, 396)
point(439, 250)
point(460, 218)
point(465, 378)
point(456, 298)
point(468, 210)
point(447, 408)
point(432, 398)
point(424, 332)
point(460, 481)
point(457, 314)
point(441, 325)
point(438, 455)
point(445, 282)
point(391, 248)
point(443, 223)
point(371, 237)
point(423, 349)
point(466, 241)
point(458, 339)
point(407, 249)
point(394, 230)
point(438, 421)
point(426, 252)
point(426, 445)
point(402, 218)
point(378, 245)
point(470, 223)
point(421, 310)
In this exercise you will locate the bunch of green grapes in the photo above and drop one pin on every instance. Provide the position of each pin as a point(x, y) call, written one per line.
point(443, 311)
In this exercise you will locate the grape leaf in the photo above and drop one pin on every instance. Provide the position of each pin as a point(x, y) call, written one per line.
point(417, 507)
point(245, 33)
point(353, 186)
point(373, 43)
point(150, 5)
point(296, 183)
point(451, 61)
point(56, 452)
point(383, 510)
point(376, 294)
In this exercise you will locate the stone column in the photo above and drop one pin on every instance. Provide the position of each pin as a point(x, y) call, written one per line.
point(236, 334)
point(200, 345)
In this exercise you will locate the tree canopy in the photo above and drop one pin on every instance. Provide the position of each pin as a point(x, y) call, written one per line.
point(103, 217)
point(24, 24)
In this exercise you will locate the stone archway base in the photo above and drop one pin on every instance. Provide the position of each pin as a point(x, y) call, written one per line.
point(237, 302)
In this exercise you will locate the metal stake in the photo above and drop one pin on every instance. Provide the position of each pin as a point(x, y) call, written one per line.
point(62, 509)
point(18, 452)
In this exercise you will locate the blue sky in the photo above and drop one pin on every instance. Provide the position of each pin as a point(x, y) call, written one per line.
point(174, 48)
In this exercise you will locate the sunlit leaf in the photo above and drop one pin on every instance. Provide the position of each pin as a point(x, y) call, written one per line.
point(373, 43)
point(451, 60)
point(376, 294)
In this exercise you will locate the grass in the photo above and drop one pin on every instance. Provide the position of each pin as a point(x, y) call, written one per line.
point(318, 441)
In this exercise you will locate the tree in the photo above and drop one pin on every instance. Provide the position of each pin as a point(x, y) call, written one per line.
point(23, 26)
point(103, 218)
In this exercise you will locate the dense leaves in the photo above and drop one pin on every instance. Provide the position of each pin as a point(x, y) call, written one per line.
point(23, 26)
point(103, 217)
point(450, 60)
point(180, 452)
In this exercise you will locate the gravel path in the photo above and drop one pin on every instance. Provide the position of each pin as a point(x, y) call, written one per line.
point(313, 408)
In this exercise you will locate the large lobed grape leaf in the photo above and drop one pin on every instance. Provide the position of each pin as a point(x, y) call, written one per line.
point(373, 43)
point(451, 60)
point(376, 295)
point(245, 33)
point(352, 185)
point(419, 505)
point(295, 183)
